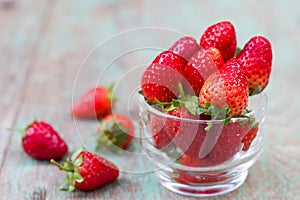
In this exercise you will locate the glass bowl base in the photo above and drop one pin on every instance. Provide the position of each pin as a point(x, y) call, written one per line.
point(202, 190)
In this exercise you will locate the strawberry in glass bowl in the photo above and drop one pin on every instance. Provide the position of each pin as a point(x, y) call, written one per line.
point(202, 115)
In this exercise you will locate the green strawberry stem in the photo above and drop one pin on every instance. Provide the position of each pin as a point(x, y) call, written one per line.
point(61, 167)
point(23, 132)
point(71, 166)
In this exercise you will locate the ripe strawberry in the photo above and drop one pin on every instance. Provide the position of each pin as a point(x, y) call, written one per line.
point(160, 79)
point(87, 171)
point(200, 66)
point(248, 139)
point(96, 102)
point(160, 137)
point(185, 47)
point(220, 144)
point(222, 36)
point(256, 56)
point(227, 87)
point(115, 129)
point(184, 134)
point(42, 142)
point(228, 143)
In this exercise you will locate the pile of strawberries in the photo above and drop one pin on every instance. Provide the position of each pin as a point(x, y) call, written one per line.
point(208, 80)
point(85, 170)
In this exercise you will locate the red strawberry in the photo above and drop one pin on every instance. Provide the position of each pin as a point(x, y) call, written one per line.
point(42, 142)
point(184, 134)
point(160, 137)
point(116, 129)
point(87, 171)
point(160, 79)
point(201, 65)
point(220, 144)
point(227, 87)
point(256, 56)
point(228, 143)
point(247, 140)
point(185, 47)
point(96, 102)
point(222, 36)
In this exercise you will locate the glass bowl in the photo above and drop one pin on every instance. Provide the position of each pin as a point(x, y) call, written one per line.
point(203, 158)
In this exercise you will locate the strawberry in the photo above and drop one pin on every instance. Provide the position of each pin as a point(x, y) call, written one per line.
point(200, 66)
point(256, 56)
point(222, 36)
point(42, 142)
point(217, 147)
point(228, 144)
point(96, 102)
point(249, 137)
point(184, 134)
point(157, 125)
point(227, 87)
point(115, 129)
point(185, 47)
point(160, 79)
point(221, 143)
point(87, 171)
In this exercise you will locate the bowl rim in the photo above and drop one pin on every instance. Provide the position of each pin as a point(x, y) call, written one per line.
point(262, 106)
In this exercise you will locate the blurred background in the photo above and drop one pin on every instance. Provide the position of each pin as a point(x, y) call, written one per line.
point(47, 59)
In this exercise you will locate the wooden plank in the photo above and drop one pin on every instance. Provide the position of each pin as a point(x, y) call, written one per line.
point(22, 29)
point(19, 40)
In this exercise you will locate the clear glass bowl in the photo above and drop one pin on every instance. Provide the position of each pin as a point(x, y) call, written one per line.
point(198, 161)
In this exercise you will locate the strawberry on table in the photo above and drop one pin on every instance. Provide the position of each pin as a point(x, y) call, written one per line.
point(160, 79)
point(256, 56)
point(200, 66)
point(42, 142)
point(185, 47)
point(96, 102)
point(86, 171)
point(227, 87)
point(222, 36)
point(115, 129)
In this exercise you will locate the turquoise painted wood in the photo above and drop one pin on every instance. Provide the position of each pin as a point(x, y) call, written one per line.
point(44, 43)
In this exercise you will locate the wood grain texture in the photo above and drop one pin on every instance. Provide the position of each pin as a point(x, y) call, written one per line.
point(19, 41)
point(43, 46)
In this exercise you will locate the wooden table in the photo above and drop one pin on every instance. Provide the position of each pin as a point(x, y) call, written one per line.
point(44, 43)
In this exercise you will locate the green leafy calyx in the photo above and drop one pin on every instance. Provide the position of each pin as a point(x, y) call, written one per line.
point(112, 134)
point(71, 166)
